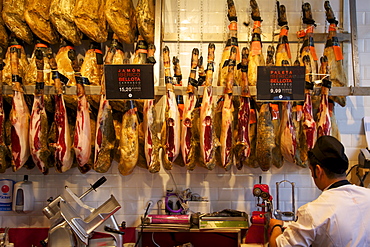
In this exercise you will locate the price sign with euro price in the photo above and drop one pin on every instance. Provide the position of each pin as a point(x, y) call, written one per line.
point(129, 81)
point(280, 83)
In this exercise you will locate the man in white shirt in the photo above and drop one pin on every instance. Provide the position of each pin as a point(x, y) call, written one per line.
point(340, 216)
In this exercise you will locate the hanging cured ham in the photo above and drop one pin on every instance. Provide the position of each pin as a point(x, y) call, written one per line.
point(177, 74)
point(61, 16)
point(151, 51)
point(226, 136)
point(288, 138)
point(31, 73)
point(265, 138)
point(37, 16)
point(243, 145)
point(277, 157)
point(22, 61)
point(324, 120)
point(231, 42)
point(282, 58)
point(39, 126)
point(151, 140)
point(309, 124)
point(308, 59)
point(188, 126)
point(252, 160)
point(334, 54)
point(82, 133)
point(31, 78)
point(19, 118)
point(171, 130)
point(308, 50)
point(66, 61)
point(63, 146)
point(90, 19)
point(283, 55)
point(92, 67)
point(140, 55)
point(121, 17)
point(145, 14)
point(4, 151)
point(201, 72)
point(227, 78)
point(255, 52)
point(129, 140)
point(334, 125)
point(13, 16)
point(105, 137)
point(92, 70)
point(270, 56)
point(105, 134)
point(302, 149)
point(208, 139)
point(177, 80)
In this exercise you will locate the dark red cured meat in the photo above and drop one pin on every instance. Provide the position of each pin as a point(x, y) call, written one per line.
point(309, 123)
point(228, 145)
point(243, 126)
point(16, 147)
point(79, 127)
point(99, 137)
point(188, 135)
point(324, 127)
point(59, 118)
point(170, 139)
point(208, 138)
point(150, 147)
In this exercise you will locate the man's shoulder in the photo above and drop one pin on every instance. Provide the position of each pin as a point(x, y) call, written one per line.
point(324, 198)
point(332, 196)
point(348, 187)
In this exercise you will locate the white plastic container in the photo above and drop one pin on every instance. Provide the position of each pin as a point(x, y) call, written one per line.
point(23, 197)
point(6, 194)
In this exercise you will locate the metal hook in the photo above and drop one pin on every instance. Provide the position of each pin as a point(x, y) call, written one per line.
point(351, 90)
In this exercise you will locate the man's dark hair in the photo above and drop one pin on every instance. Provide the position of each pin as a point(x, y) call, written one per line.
point(313, 161)
point(329, 153)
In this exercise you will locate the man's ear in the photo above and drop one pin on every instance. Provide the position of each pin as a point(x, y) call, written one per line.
point(319, 171)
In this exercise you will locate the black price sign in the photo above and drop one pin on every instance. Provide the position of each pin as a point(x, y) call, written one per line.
point(129, 81)
point(275, 83)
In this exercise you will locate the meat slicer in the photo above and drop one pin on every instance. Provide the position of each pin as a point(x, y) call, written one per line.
point(258, 231)
point(70, 229)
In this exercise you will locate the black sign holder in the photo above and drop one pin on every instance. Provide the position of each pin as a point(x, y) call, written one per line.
point(129, 81)
point(280, 83)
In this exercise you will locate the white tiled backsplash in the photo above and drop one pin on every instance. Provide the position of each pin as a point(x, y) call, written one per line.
point(232, 189)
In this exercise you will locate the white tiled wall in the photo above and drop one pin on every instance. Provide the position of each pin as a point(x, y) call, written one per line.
point(232, 189)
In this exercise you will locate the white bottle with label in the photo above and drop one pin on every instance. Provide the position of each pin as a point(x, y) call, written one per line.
point(6, 194)
point(23, 197)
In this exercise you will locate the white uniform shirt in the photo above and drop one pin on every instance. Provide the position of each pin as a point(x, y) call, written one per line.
point(338, 217)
